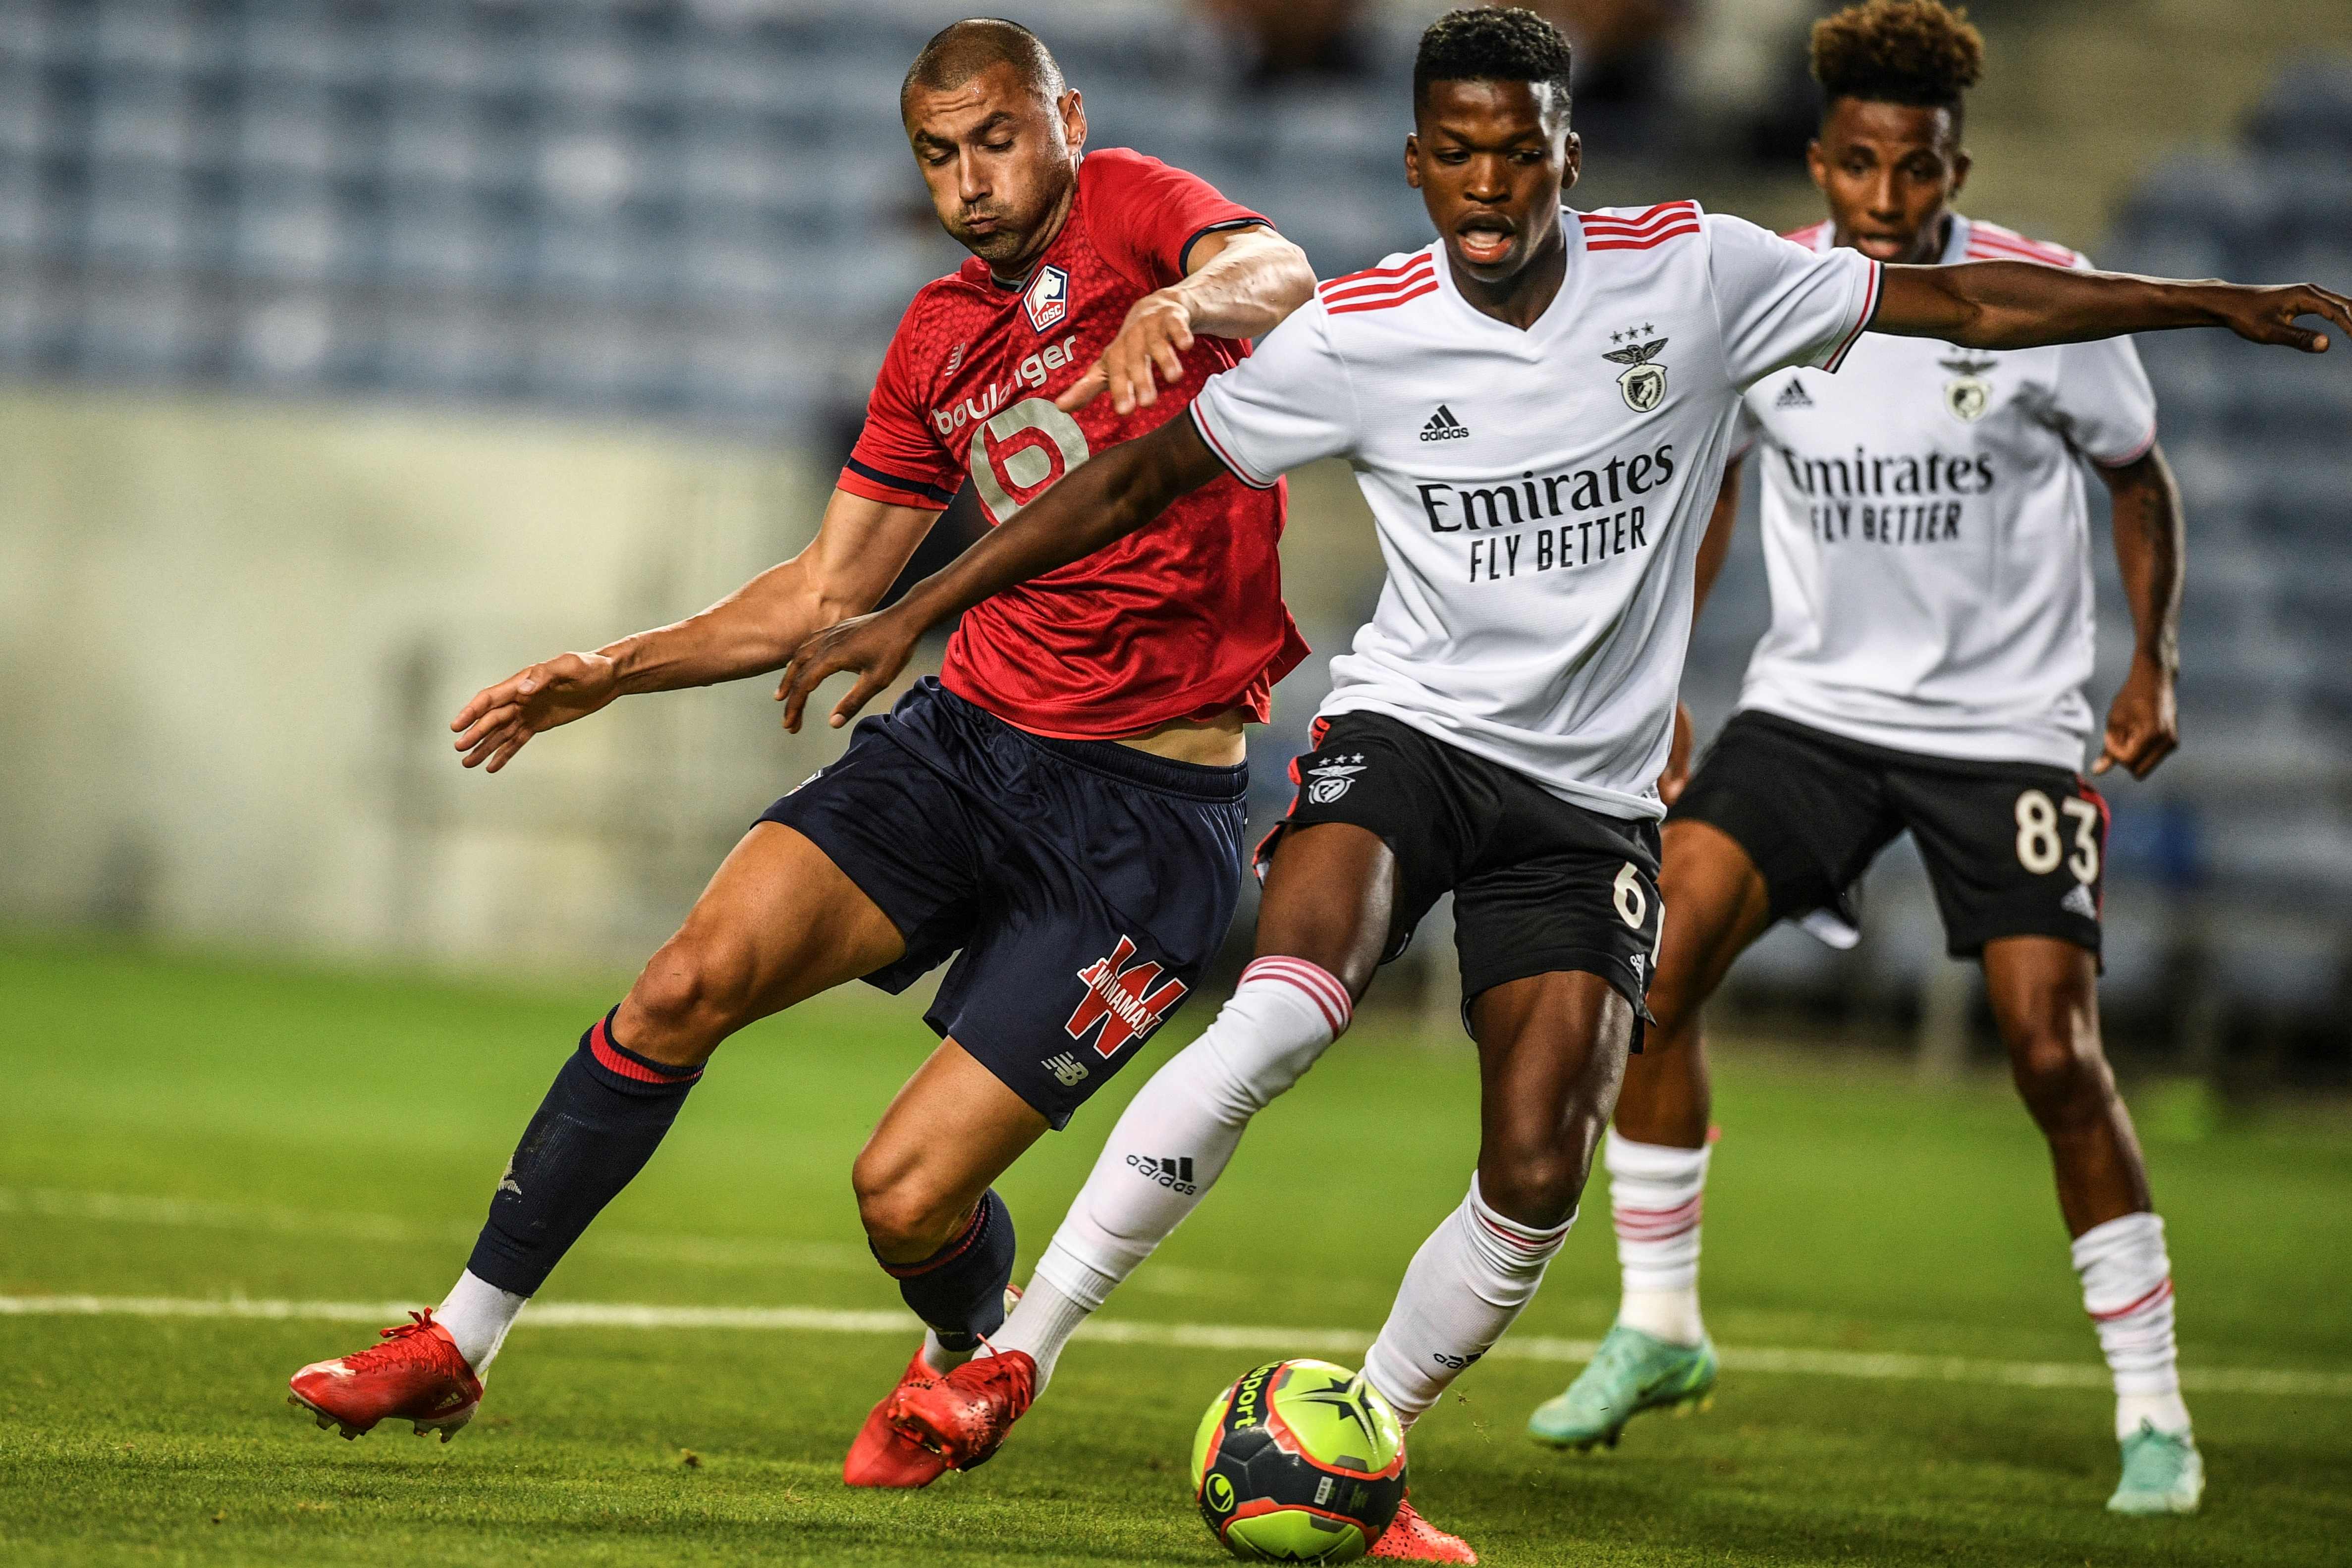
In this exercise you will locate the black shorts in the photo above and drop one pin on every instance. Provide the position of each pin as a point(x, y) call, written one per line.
point(1539, 887)
point(2014, 849)
point(1082, 885)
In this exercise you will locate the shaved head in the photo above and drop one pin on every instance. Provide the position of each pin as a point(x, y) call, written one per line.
point(962, 50)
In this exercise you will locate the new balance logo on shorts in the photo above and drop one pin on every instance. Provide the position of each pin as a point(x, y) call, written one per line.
point(1173, 1172)
point(1444, 426)
point(1122, 999)
point(1067, 1070)
point(1794, 395)
point(2078, 901)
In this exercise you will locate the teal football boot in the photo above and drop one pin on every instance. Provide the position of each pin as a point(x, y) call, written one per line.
point(2163, 1473)
point(1629, 1374)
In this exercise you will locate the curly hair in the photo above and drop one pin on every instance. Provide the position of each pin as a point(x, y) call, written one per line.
point(1491, 43)
point(1911, 52)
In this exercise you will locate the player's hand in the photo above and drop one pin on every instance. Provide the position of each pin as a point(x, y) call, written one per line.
point(499, 719)
point(2143, 723)
point(1676, 778)
point(1146, 354)
point(2268, 315)
point(876, 646)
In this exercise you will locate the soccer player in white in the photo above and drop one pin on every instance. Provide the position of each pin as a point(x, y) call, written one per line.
point(1926, 534)
point(1539, 407)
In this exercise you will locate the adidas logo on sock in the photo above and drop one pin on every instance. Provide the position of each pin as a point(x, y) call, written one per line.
point(2078, 901)
point(1444, 426)
point(1794, 395)
point(1172, 1171)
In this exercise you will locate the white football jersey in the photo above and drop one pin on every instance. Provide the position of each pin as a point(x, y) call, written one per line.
point(1540, 495)
point(1927, 535)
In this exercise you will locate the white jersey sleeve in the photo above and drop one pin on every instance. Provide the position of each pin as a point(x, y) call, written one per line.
point(1779, 304)
point(1287, 404)
point(2102, 401)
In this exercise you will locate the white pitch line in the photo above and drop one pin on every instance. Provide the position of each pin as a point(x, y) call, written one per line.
point(1875, 1367)
point(716, 1251)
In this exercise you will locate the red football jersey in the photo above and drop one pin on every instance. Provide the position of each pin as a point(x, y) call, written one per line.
point(1183, 619)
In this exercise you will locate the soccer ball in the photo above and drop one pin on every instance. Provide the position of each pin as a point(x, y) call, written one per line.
point(1299, 1462)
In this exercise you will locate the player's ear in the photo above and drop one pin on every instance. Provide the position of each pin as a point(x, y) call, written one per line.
point(1072, 110)
point(1413, 159)
point(1817, 163)
point(1961, 164)
point(1572, 165)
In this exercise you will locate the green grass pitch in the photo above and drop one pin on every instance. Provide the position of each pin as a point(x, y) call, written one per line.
point(183, 1128)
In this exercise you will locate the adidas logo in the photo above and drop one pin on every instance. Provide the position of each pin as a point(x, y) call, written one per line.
point(1794, 395)
point(1444, 426)
point(2078, 901)
point(1172, 1171)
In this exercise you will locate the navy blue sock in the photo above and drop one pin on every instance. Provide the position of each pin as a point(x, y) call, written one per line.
point(959, 1290)
point(601, 1122)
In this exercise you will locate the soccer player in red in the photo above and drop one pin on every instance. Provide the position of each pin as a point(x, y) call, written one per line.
point(1061, 811)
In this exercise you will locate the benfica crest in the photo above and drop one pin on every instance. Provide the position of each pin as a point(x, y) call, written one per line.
point(1968, 395)
point(1642, 382)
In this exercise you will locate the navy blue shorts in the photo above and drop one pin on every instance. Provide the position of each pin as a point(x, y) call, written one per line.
point(1081, 886)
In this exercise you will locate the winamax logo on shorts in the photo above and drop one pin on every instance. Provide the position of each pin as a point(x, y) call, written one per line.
point(1121, 999)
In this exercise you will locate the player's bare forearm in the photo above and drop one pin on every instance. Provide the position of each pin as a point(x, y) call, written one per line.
point(2025, 305)
point(860, 547)
point(1244, 282)
point(2144, 721)
point(1098, 503)
point(1103, 502)
point(2151, 538)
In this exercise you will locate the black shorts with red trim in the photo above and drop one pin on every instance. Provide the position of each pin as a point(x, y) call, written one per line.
point(1080, 886)
point(2012, 848)
point(1541, 886)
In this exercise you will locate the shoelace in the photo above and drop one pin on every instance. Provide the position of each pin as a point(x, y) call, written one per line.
point(403, 1341)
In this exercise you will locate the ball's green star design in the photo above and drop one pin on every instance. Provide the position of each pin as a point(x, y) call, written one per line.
point(1345, 1395)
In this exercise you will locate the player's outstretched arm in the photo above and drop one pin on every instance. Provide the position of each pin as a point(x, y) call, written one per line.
point(2144, 721)
point(1238, 283)
point(2024, 305)
point(859, 548)
point(1104, 501)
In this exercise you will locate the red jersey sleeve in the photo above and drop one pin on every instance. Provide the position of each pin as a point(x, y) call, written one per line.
point(898, 460)
point(1145, 215)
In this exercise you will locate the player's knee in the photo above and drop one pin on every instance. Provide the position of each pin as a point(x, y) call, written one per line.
point(1535, 1181)
point(686, 1001)
point(904, 1218)
point(2061, 1076)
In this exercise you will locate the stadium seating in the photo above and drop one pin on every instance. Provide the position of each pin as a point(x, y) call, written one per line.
point(705, 211)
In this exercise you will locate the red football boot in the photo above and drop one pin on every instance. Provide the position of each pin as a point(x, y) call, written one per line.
point(1412, 1539)
point(966, 1416)
point(880, 1455)
point(416, 1375)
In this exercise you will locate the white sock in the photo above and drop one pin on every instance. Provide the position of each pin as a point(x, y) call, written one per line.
point(2127, 1290)
point(477, 1314)
point(1173, 1142)
point(1656, 1194)
point(1464, 1287)
point(939, 1357)
point(1062, 1293)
